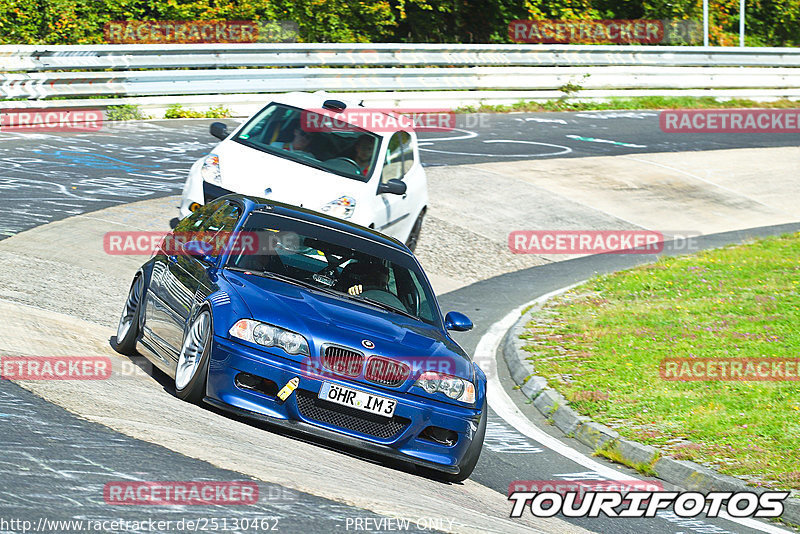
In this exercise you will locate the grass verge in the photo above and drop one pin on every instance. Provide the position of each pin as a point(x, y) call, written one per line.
point(609, 336)
point(176, 111)
point(126, 112)
point(643, 102)
point(610, 452)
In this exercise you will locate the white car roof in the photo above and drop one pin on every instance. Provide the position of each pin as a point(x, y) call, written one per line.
point(316, 99)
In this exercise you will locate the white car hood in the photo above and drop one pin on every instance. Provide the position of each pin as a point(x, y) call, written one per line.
point(251, 172)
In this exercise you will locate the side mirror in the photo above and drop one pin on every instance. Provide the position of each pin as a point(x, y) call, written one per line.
point(200, 250)
point(393, 187)
point(457, 322)
point(218, 130)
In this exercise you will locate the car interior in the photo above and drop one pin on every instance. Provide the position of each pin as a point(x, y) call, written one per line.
point(328, 266)
point(331, 147)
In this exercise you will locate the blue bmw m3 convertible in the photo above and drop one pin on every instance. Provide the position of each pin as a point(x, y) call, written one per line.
point(305, 321)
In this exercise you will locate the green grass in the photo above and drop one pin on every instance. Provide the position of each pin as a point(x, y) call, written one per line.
point(609, 336)
point(610, 452)
point(176, 111)
point(126, 112)
point(643, 102)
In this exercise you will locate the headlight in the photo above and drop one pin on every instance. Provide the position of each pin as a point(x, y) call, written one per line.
point(342, 207)
point(210, 169)
point(452, 386)
point(269, 336)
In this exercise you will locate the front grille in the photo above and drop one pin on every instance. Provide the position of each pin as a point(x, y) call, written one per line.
point(386, 372)
point(342, 361)
point(348, 418)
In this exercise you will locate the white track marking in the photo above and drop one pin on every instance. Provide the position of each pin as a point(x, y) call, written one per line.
point(615, 114)
point(505, 408)
point(564, 150)
point(596, 140)
point(467, 135)
point(539, 119)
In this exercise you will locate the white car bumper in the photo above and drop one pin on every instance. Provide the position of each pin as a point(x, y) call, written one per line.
point(192, 189)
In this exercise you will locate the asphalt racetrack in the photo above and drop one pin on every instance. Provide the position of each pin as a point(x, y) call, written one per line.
point(48, 177)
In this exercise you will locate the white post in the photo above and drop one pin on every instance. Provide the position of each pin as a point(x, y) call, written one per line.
point(705, 22)
point(741, 23)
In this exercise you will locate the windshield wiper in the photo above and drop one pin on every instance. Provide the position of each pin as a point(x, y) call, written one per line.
point(287, 279)
point(387, 307)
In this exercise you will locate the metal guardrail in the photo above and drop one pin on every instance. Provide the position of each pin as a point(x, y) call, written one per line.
point(194, 82)
point(92, 57)
point(95, 70)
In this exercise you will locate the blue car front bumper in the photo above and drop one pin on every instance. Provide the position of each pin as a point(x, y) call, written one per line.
point(398, 437)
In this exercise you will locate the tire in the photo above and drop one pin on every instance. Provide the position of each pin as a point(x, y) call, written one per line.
point(413, 237)
point(473, 453)
point(128, 327)
point(191, 372)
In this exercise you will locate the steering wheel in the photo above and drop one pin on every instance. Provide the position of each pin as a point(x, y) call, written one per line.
point(348, 160)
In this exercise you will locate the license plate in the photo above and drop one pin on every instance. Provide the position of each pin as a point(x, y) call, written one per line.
point(360, 400)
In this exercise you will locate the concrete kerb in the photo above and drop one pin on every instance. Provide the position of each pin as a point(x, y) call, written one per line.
point(555, 407)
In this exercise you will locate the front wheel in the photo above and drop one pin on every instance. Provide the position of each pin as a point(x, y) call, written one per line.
point(128, 327)
point(192, 370)
point(416, 230)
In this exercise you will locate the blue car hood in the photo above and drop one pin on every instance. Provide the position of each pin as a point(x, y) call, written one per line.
point(323, 318)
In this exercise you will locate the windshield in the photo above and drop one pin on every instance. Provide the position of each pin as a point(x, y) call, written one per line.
point(290, 133)
point(336, 262)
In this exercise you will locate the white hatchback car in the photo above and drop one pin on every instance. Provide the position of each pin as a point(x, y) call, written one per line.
point(370, 176)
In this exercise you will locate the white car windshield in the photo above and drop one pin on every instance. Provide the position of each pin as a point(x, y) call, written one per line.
point(295, 134)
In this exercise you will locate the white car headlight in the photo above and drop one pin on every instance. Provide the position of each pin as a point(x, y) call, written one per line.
point(269, 336)
point(342, 207)
point(452, 386)
point(210, 170)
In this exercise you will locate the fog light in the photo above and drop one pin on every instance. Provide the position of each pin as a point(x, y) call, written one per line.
point(256, 383)
point(439, 435)
point(246, 380)
point(193, 206)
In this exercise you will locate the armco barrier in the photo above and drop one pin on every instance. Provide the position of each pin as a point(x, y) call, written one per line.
point(88, 57)
point(40, 72)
